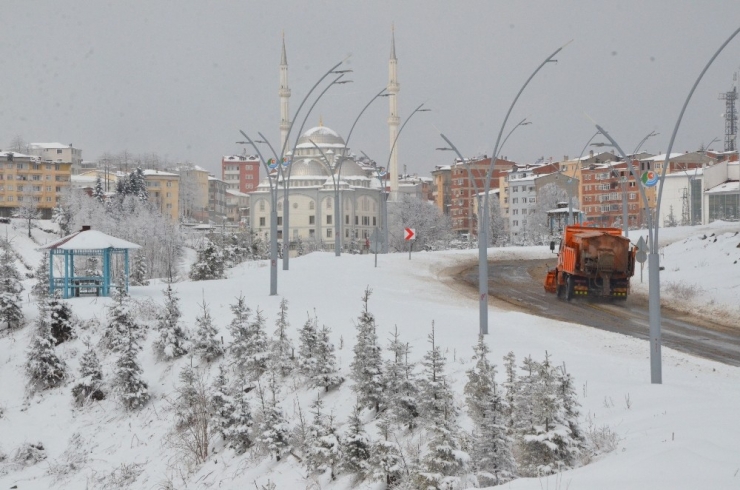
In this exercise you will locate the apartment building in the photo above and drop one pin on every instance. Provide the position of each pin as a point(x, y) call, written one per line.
point(58, 153)
point(216, 199)
point(240, 172)
point(463, 189)
point(27, 178)
point(441, 187)
point(163, 189)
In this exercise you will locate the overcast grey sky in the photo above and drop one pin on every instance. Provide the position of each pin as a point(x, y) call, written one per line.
point(180, 78)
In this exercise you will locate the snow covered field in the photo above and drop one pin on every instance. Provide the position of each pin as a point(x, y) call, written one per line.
point(680, 435)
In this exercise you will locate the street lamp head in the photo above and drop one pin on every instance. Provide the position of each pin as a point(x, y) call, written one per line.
point(341, 71)
point(444, 149)
point(424, 110)
point(342, 82)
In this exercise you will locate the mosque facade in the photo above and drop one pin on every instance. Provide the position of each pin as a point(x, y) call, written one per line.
point(321, 159)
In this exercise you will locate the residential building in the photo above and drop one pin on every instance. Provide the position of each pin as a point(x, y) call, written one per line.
point(237, 206)
point(441, 187)
point(240, 172)
point(518, 201)
point(163, 189)
point(463, 190)
point(602, 191)
point(58, 153)
point(216, 199)
point(28, 178)
point(193, 192)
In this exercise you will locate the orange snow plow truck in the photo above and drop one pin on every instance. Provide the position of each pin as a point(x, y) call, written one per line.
point(592, 262)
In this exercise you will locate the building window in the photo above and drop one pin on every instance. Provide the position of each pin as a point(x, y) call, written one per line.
point(328, 203)
point(365, 221)
point(59, 152)
point(356, 220)
point(262, 221)
point(346, 219)
point(515, 223)
point(169, 183)
point(328, 219)
point(311, 206)
point(262, 205)
point(328, 233)
point(374, 221)
point(279, 220)
point(312, 220)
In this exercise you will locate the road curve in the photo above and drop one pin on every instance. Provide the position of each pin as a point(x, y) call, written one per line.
point(519, 284)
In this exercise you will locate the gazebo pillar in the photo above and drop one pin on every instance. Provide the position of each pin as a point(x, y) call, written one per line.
point(106, 272)
point(125, 266)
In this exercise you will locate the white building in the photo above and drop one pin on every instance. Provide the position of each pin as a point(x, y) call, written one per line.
point(311, 193)
point(57, 153)
point(519, 201)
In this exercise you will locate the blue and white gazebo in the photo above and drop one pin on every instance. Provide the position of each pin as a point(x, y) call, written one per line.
point(87, 243)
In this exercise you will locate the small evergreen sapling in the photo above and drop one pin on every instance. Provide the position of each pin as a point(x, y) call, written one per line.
point(434, 393)
point(44, 368)
point(386, 460)
point(492, 447)
point(207, 344)
point(40, 288)
point(173, 339)
point(366, 366)
point(121, 321)
point(325, 373)
point(274, 430)
point(61, 320)
point(322, 447)
point(210, 264)
point(401, 385)
point(237, 427)
point(132, 389)
point(221, 399)
point(307, 347)
point(10, 288)
point(89, 386)
point(355, 446)
point(281, 347)
point(140, 270)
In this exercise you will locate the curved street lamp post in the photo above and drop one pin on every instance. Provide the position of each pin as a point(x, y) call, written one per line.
point(273, 214)
point(286, 182)
point(483, 236)
point(656, 368)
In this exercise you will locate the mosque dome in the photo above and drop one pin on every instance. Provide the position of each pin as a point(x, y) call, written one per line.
point(308, 168)
point(322, 136)
point(351, 169)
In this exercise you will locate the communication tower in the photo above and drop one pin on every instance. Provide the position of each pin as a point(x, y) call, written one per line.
point(730, 116)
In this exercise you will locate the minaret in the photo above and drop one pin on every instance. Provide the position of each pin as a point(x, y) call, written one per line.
point(393, 119)
point(284, 96)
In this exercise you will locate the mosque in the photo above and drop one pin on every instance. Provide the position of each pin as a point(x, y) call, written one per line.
point(321, 169)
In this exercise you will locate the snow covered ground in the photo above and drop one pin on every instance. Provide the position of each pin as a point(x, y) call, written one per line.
point(680, 435)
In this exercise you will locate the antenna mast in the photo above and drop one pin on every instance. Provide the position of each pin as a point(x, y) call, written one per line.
point(730, 115)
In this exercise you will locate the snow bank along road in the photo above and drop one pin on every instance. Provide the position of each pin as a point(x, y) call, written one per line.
point(518, 285)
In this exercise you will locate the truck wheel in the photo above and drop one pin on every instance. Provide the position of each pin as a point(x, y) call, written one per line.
point(568, 287)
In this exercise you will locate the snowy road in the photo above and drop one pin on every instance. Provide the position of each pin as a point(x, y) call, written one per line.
point(518, 284)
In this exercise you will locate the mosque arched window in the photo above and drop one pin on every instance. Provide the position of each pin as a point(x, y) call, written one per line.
point(311, 205)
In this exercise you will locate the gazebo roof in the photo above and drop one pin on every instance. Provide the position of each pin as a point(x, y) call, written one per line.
point(87, 239)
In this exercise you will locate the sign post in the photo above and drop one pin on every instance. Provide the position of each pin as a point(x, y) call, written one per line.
point(409, 234)
point(641, 255)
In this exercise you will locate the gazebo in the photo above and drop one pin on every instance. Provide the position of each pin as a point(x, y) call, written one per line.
point(87, 243)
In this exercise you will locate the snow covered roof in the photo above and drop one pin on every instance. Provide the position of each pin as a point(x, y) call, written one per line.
point(89, 240)
point(49, 146)
point(236, 193)
point(148, 172)
point(15, 154)
point(729, 187)
point(661, 157)
point(240, 158)
point(321, 130)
